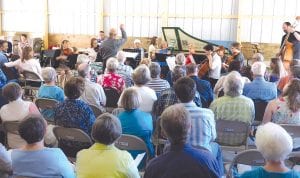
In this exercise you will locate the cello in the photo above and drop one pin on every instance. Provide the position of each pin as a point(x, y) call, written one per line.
point(203, 68)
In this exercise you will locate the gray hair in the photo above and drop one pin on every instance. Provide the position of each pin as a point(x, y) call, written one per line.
point(258, 57)
point(233, 84)
point(176, 123)
point(106, 129)
point(177, 73)
point(130, 99)
point(112, 64)
point(48, 74)
point(154, 69)
point(273, 142)
point(258, 68)
point(83, 70)
point(121, 57)
point(180, 59)
point(141, 75)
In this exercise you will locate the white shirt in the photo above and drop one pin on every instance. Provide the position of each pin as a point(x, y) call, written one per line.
point(151, 51)
point(32, 65)
point(93, 94)
point(148, 98)
point(215, 70)
point(92, 54)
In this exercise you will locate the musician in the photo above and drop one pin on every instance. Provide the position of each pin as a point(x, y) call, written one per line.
point(295, 39)
point(94, 48)
point(221, 53)
point(23, 42)
point(101, 37)
point(215, 64)
point(190, 59)
point(152, 47)
point(237, 55)
point(65, 51)
point(285, 27)
point(138, 48)
point(164, 48)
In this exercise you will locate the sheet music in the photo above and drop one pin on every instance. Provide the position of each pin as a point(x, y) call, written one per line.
point(138, 159)
point(171, 62)
point(131, 55)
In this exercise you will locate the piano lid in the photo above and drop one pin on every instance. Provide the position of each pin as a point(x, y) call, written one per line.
point(179, 40)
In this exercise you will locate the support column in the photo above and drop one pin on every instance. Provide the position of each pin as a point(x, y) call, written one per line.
point(239, 16)
point(46, 26)
point(100, 16)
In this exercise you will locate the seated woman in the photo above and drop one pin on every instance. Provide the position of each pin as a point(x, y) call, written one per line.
point(35, 160)
point(16, 110)
point(278, 70)
point(50, 90)
point(26, 62)
point(190, 59)
point(134, 121)
point(103, 159)
point(286, 109)
point(141, 76)
point(92, 51)
point(274, 147)
point(111, 79)
point(72, 112)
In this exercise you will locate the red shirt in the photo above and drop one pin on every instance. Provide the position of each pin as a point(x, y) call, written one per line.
point(112, 80)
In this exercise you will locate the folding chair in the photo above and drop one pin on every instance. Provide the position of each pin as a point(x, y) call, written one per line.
point(46, 104)
point(112, 96)
point(158, 138)
point(10, 127)
point(97, 111)
point(117, 111)
point(248, 157)
point(132, 143)
point(71, 140)
point(294, 131)
point(260, 107)
point(32, 82)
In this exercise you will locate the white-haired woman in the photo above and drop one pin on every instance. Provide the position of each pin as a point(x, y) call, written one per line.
point(180, 60)
point(274, 147)
point(141, 76)
point(111, 79)
point(50, 90)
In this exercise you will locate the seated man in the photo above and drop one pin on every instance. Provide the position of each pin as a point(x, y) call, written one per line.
point(259, 88)
point(93, 93)
point(182, 160)
point(233, 106)
point(35, 160)
point(203, 130)
point(203, 87)
point(103, 159)
point(124, 70)
point(156, 83)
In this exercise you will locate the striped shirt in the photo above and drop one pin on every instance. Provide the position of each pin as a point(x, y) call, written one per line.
point(239, 108)
point(125, 72)
point(203, 130)
point(158, 84)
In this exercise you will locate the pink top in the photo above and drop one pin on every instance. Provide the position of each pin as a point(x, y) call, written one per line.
point(112, 80)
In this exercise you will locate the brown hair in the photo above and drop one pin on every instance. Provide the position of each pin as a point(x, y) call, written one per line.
point(153, 40)
point(293, 95)
point(92, 41)
point(237, 45)
point(278, 69)
point(12, 91)
point(74, 87)
point(26, 53)
point(131, 99)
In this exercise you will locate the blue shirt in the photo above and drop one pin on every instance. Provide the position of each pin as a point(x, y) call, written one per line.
point(183, 161)
point(259, 88)
point(138, 123)
point(3, 79)
point(50, 92)
point(3, 59)
point(260, 172)
point(48, 162)
point(74, 114)
point(205, 90)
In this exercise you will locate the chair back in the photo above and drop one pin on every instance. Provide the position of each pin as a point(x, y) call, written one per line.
point(11, 127)
point(71, 140)
point(232, 133)
point(46, 103)
point(294, 131)
point(31, 76)
point(260, 107)
point(130, 143)
point(97, 111)
point(112, 96)
point(248, 157)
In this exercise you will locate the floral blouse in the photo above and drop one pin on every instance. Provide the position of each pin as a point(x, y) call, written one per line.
point(112, 80)
point(283, 115)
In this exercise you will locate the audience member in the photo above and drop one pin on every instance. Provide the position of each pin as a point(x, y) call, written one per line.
point(26, 62)
point(219, 87)
point(259, 88)
point(168, 97)
point(50, 90)
point(103, 159)
point(93, 93)
point(294, 72)
point(35, 160)
point(278, 70)
point(134, 121)
point(181, 160)
point(179, 61)
point(110, 47)
point(16, 110)
point(233, 106)
point(286, 109)
point(257, 57)
point(203, 128)
point(111, 79)
point(203, 86)
point(156, 83)
point(72, 112)
point(123, 70)
point(275, 144)
point(141, 76)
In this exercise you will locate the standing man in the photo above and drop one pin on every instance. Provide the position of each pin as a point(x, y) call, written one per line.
point(110, 47)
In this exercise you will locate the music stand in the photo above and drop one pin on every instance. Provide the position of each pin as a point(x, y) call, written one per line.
point(48, 54)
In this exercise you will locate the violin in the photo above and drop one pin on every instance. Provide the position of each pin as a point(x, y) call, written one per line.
point(231, 58)
point(67, 52)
